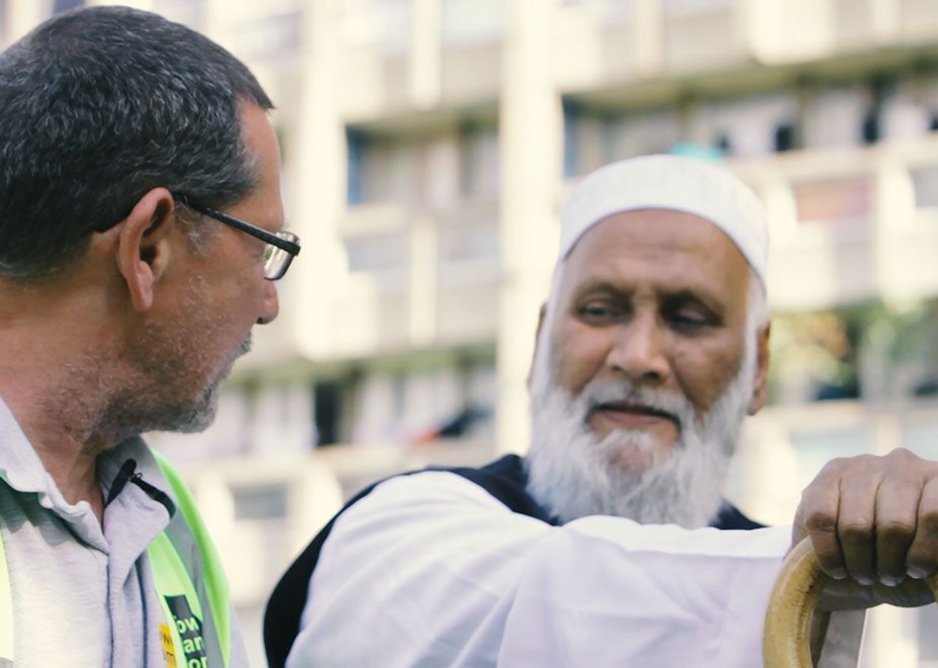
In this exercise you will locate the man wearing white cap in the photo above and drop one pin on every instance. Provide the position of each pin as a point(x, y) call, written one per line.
point(603, 546)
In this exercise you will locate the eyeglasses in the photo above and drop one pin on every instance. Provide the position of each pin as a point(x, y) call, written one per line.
point(281, 246)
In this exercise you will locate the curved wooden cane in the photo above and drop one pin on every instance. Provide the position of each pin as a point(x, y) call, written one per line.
point(786, 636)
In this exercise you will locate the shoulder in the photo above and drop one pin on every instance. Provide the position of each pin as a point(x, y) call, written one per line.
point(445, 490)
point(500, 484)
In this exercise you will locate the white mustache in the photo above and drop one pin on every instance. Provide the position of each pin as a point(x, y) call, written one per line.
point(605, 391)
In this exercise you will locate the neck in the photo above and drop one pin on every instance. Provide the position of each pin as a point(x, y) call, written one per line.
point(64, 440)
point(54, 353)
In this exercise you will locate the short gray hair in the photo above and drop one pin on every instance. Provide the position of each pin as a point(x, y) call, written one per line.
point(99, 106)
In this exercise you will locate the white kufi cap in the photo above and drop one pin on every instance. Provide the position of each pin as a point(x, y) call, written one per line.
point(669, 182)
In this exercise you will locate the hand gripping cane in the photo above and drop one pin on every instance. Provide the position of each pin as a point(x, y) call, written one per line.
point(787, 632)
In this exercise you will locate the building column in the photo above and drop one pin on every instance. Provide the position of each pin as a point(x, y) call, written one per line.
point(530, 130)
point(318, 165)
point(425, 54)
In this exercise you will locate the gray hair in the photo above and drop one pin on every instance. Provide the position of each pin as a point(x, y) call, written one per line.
point(99, 106)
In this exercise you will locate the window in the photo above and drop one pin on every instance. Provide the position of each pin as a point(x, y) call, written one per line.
point(66, 5)
point(595, 137)
point(471, 22)
point(327, 411)
point(408, 170)
point(925, 185)
point(479, 171)
point(784, 137)
point(259, 502)
point(469, 242)
point(835, 118)
point(841, 201)
point(281, 418)
point(643, 132)
point(750, 126)
point(356, 143)
point(904, 113)
point(380, 169)
point(384, 24)
point(386, 251)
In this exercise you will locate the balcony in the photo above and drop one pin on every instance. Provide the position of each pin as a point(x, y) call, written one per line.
point(416, 279)
point(850, 224)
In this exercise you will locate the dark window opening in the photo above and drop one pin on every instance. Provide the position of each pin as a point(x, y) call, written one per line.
point(327, 411)
point(784, 138)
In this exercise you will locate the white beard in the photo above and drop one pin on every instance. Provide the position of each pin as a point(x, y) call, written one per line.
point(573, 474)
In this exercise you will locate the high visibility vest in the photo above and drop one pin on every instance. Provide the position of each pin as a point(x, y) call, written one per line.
point(187, 573)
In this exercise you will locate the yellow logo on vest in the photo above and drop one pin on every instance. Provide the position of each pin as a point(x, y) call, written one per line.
point(189, 631)
point(169, 651)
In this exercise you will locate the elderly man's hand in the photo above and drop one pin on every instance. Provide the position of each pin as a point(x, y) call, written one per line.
point(873, 522)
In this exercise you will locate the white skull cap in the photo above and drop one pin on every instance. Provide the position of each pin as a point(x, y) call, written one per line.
point(684, 184)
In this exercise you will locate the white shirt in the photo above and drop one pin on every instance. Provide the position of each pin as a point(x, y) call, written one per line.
point(430, 570)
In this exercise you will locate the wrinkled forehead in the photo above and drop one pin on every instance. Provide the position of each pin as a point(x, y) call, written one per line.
point(658, 252)
point(652, 235)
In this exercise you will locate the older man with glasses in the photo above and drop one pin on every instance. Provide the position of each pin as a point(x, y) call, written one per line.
point(123, 305)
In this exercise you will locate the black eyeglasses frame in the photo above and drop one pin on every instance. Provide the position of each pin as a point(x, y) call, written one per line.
point(285, 241)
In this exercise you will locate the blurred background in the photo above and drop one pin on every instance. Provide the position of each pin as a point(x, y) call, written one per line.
point(427, 145)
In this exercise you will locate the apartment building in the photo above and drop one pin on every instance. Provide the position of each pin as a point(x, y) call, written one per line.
point(427, 147)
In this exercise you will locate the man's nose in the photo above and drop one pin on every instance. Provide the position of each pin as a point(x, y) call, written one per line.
point(271, 304)
point(639, 350)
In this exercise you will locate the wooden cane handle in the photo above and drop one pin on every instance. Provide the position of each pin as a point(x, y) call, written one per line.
point(786, 641)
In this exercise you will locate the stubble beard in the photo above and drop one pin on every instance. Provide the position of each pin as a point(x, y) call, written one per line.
point(166, 364)
point(199, 413)
point(574, 474)
point(181, 411)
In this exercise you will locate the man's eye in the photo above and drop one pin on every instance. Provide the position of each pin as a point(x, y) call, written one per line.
point(689, 320)
point(593, 311)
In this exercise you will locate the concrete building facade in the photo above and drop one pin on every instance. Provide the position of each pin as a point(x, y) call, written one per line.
point(428, 145)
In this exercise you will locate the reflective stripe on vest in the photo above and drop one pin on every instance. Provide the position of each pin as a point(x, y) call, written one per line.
point(189, 581)
point(193, 546)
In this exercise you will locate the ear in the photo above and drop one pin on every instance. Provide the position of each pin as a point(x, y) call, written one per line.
point(144, 245)
point(760, 388)
point(537, 339)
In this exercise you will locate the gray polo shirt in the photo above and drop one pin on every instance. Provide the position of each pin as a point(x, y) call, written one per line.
point(83, 593)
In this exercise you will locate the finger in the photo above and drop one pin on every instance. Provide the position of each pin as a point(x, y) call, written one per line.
point(897, 507)
point(856, 522)
point(922, 557)
point(817, 518)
